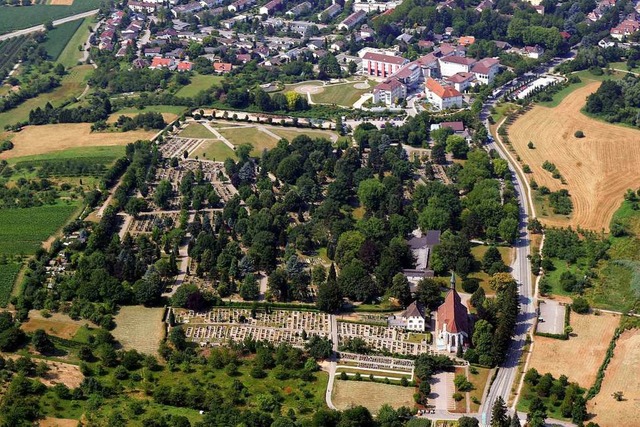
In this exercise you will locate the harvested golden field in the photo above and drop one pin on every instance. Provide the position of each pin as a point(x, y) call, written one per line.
point(139, 328)
point(588, 342)
point(44, 139)
point(59, 325)
point(61, 2)
point(621, 375)
point(598, 168)
point(347, 394)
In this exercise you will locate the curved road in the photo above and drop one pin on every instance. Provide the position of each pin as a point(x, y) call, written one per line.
point(55, 24)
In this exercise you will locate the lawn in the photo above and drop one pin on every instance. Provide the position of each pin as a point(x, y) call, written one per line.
point(57, 324)
point(71, 55)
point(140, 328)
point(213, 150)
point(250, 135)
point(479, 381)
point(196, 130)
point(8, 274)
point(199, 82)
point(72, 85)
point(22, 231)
point(502, 109)
point(290, 133)
point(342, 94)
point(17, 18)
point(59, 37)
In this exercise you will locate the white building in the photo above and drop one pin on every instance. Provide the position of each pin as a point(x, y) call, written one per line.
point(485, 70)
point(352, 20)
point(450, 65)
point(443, 97)
point(389, 92)
point(412, 319)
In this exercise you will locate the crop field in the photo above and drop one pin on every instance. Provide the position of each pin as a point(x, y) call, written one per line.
point(372, 396)
point(37, 140)
point(72, 85)
point(17, 18)
point(590, 339)
point(199, 82)
point(196, 130)
point(140, 328)
point(213, 149)
point(8, 274)
point(59, 37)
point(621, 375)
point(598, 168)
point(22, 231)
point(9, 50)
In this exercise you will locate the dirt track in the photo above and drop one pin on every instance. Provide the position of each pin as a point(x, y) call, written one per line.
point(599, 168)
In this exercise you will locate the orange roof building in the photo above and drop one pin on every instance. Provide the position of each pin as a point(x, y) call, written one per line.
point(222, 67)
point(452, 321)
point(443, 97)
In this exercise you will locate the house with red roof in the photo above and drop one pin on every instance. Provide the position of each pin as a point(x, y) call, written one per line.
point(452, 321)
point(381, 65)
point(443, 97)
point(185, 66)
point(485, 70)
point(625, 29)
point(461, 81)
point(158, 63)
point(389, 92)
point(222, 67)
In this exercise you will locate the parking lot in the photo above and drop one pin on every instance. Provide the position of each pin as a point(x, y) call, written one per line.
point(552, 315)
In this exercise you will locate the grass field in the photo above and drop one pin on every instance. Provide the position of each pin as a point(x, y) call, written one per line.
point(59, 37)
point(586, 77)
point(38, 140)
point(140, 328)
point(71, 55)
point(590, 339)
point(479, 382)
point(372, 396)
point(343, 94)
point(213, 149)
point(598, 168)
point(621, 375)
point(250, 135)
point(17, 18)
point(199, 82)
point(173, 109)
point(8, 274)
point(58, 324)
point(72, 85)
point(99, 154)
point(478, 252)
point(196, 130)
point(290, 133)
point(22, 231)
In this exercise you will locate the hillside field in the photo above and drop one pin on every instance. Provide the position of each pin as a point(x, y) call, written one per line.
point(598, 168)
point(16, 18)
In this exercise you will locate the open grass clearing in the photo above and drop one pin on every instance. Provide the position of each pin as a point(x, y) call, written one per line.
point(621, 375)
point(586, 77)
point(250, 135)
point(71, 54)
point(196, 130)
point(108, 154)
point(58, 324)
point(57, 422)
point(213, 149)
point(598, 168)
point(38, 140)
point(290, 133)
point(347, 394)
point(478, 252)
point(199, 82)
point(72, 85)
point(341, 94)
point(590, 339)
point(139, 328)
point(22, 230)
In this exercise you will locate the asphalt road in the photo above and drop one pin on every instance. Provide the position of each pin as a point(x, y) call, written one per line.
point(55, 24)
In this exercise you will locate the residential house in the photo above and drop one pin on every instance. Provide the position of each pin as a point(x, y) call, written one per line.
point(271, 7)
point(150, 52)
point(186, 9)
point(157, 63)
point(240, 5)
point(443, 97)
point(412, 319)
point(534, 52)
point(452, 321)
point(298, 10)
point(409, 75)
point(381, 65)
point(484, 5)
point(485, 70)
point(389, 92)
point(185, 66)
point(625, 29)
point(466, 40)
point(461, 81)
point(138, 6)
point(222, 67)
point(330, 12)
point(352, 20)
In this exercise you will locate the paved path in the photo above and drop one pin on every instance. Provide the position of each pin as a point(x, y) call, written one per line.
point(332, 361)
point(55, 24)
point(219, 135)
point(125, 226)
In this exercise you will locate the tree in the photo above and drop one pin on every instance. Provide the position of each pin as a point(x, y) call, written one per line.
point(319, 348)
point(457, 146)
point(358, 416)
point(355, 282)
point(371, 193)
point(618, 396)
point(429, 294)
point(250, 289)
point(483, 341)
point(580, 305)
point(329, 298)
point(508, 229)
point(499, 413)
point(400, 289)
point(48, 25)
point(42, 343)
point(501, 281)
point(468, 422)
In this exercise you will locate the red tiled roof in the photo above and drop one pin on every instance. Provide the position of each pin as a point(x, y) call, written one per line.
point(461, 77)
point(483, 66)
point(442, 92)
point(160, 62)
point(453, 314)
point(398, 60)
point(222, 66)
point(458, 60)
point(185, 66)
point(454, 126)
point(389, 85)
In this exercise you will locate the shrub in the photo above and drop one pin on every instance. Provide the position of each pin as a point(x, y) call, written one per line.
point(470, 285)
point(531, 146)
point(580, 305)
point(579, 134)
point(457, 396)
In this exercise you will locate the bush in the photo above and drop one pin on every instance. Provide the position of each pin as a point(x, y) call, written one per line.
point(579, 134)
point(470, 285)
point(580, 305)
point(457, 396)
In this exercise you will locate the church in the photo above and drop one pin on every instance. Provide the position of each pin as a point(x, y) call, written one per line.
point(452, 322)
